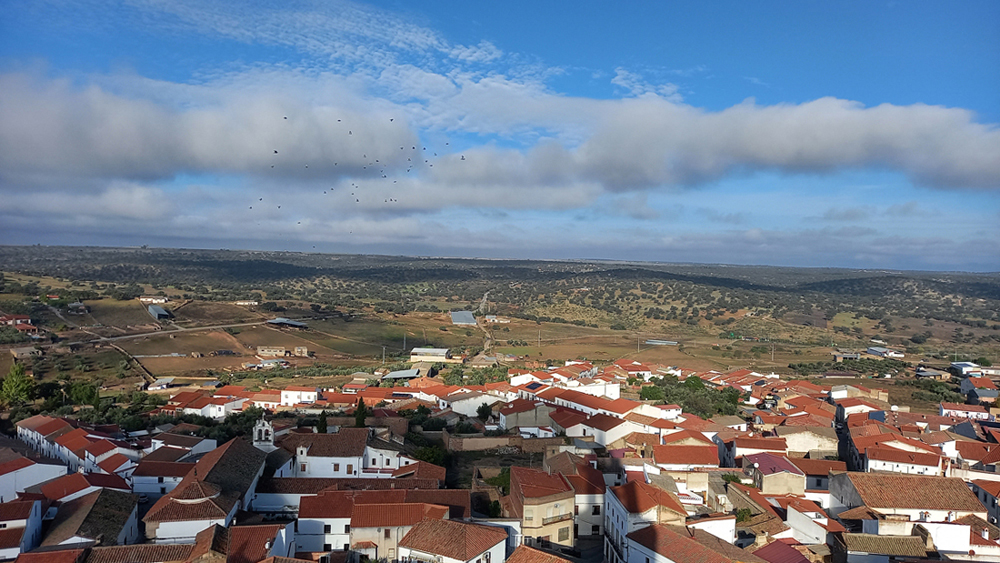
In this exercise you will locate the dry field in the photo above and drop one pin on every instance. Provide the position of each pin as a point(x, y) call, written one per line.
point(204, 313)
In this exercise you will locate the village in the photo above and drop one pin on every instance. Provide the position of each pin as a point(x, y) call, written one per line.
point(801, 472)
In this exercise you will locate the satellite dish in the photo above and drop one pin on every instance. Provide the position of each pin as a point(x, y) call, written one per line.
point(894, 408)
point(756, 465)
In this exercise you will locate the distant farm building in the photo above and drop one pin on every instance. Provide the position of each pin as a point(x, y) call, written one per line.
point(301, 352)
point(884, 352)
point(26, 352)
point(433, 355)
point(162, 383)
point(496, 319)
point(402, 374)
point(247, 303)
point(147, 299)
point(281, 321)
point(463, 318)
point(841, 355)
point(660, 343)
point(271, 351)
point(158, 312)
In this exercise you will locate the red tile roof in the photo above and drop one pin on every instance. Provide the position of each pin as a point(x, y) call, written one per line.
point(248, 544)
point(57, 556)
point(420, 470)
point(691, 455)
point(900, 456)
point(991, 487)
point(818, 466)
point(679, 548)
point(15, 510)
point(450, 538)
point(100, 448)
point(392, 515)
point(883, 490)
point(113, 463)
point(772, 444)
point(525, 554)
point(638, 497)
point(533, 483)
point(769, 464)
point(15, 464)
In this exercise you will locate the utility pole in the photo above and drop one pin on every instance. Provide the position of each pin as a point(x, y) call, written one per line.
point(404, 340)
point(637, 344)
point(383, 355)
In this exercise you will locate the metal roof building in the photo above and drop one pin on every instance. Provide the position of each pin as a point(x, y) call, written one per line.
point(463, 318)
point(158, 312)
point(287, 322)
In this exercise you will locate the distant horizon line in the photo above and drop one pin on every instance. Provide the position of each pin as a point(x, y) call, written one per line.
point(541, 260)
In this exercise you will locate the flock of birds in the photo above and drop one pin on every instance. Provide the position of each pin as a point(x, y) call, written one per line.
point(356, 188)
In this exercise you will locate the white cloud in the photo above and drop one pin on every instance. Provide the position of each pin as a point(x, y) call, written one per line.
point(484, 52)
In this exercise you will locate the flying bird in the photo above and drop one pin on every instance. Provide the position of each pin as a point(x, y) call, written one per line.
point(275, 152)
point(286, 117)
point(463, 157)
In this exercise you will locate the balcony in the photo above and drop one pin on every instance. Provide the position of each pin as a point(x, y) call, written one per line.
point(554, 519)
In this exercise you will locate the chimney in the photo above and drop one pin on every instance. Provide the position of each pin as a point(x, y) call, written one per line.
point(267, 545)
point(986, 533)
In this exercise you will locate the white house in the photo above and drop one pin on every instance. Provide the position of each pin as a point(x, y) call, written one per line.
point(20, 527)
point(988, 492)
point(899, 461)
point(20, 473)
point(633, 506)
point(920, 498)
point(221, 482)
point(157, 478)
point(972, 412)
point(294, 395)
point(451, 541)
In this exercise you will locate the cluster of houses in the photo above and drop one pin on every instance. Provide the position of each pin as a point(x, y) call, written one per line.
point(805, 473)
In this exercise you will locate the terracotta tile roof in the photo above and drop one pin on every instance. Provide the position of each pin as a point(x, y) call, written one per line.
point(76, 482)
point(15, 510)
point(567, 418)
point(227, 470)
point(166, 453)
point(420, 470)
point(679, 548)
point(859, 513)
point(780, 552)
point(100, 447)
point(991, 487)
point(642, 438)
point(140, 553)
point(347, 442)
point(905, 546)
point(638, 497)
point(603, 422)
point(697, 455)
point(34, 422)
point(964, 408)
point(534, 483)
point(818, 466)
point(56, 556)
point(70, 436)
point(525, 554)
point(772, 444)
point(392, 515)
point(113, 463)
point(900, 456)
point(10, 538)
point(974, 451)
point(882, 490)
point(340, 504)
point(450, 538)
point(15, 464)
point(54, 427)
point(247, 543)
point(99, 515)
point(516, 406)
point(768, 464)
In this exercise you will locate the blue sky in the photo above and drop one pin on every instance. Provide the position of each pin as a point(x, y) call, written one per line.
point(854, 134)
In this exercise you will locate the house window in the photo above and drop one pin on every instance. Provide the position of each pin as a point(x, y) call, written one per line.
point(347, 547)
point(373, 462)
point(597, 510)
point(3, 526)
point(159, 479)
point(302, 467)
point(564, 533)
point(163, 490)
point(595, 530)
point(576, 509)
point(326, 529)
point(385, 533)
point(347, 528)
point(387, 463)
point(336, 467)
point(327, 547)
point(350, 469)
